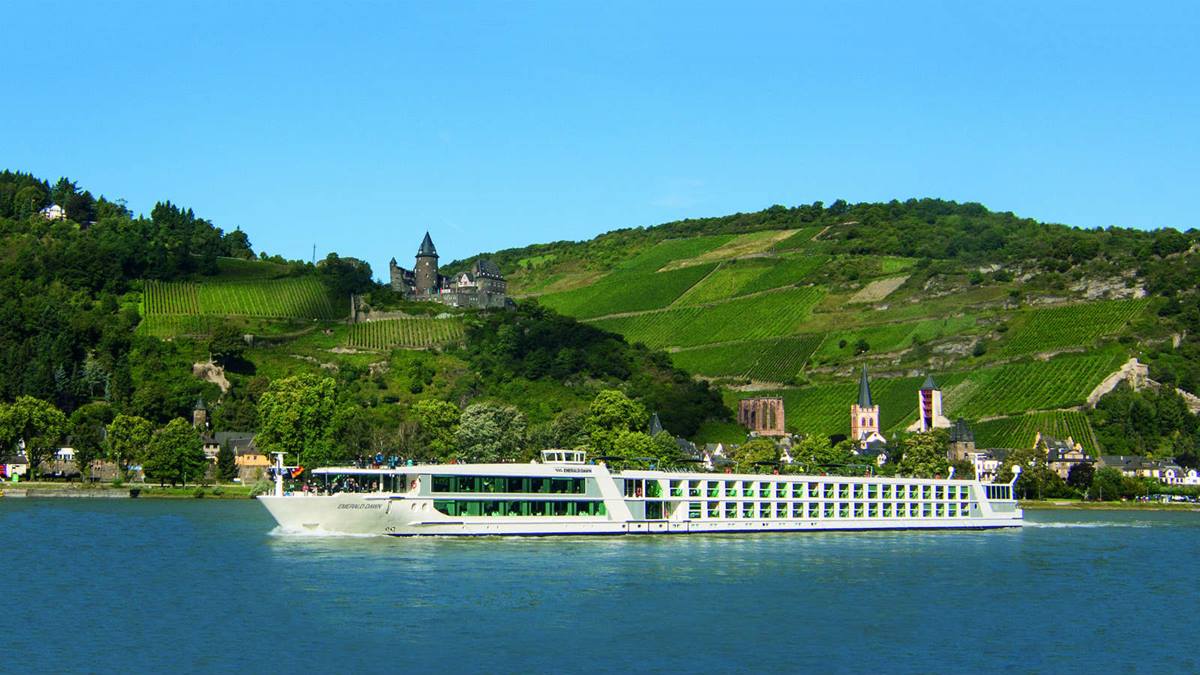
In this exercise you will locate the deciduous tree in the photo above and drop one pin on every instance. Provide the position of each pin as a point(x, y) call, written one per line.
point(296, 417)
point(176, 453)
point(128, 438)
point(490, 432)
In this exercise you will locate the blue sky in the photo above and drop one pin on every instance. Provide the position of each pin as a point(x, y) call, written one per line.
point(357, 126)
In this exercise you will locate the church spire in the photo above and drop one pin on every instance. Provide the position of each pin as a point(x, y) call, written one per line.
point(864, 389)
point(929, 385)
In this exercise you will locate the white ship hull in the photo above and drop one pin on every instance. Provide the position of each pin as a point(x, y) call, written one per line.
point(502, 500)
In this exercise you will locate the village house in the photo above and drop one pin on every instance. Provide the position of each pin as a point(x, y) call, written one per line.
point(1061, 456)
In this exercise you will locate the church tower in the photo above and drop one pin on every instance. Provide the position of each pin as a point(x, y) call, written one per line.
point(426, 269)
point(864, 417)
point(929, 408)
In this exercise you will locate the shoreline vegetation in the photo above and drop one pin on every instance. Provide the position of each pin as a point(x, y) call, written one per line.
point(48, 489)
point(53, 490)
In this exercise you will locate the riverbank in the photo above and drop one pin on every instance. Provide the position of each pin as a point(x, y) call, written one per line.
point(39, 490)
point(1052, 504)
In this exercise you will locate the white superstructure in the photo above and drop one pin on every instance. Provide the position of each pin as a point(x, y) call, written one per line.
point(564, 495)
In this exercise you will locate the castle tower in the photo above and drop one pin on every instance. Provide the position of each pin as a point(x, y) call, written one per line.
point(426, 268)
point(929, 408)
point(200, 415)
point(962, 441)
point(864, 417)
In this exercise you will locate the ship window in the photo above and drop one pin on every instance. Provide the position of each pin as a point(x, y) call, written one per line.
point(714, 489)
point(887, 510)
point(447, 507)
point(654, 510)
point(747, 510)
point(937, 492)
point(441, 484)
point(872, 491)
point(764, 489)
point(873, 510)
point(858, 510)
point(781, 510)
point(747, 489)
point(517, 485)
point(694, 510)
point(858, 490)
point(925, 510)
point(730, 510)
point(829, 490)
point(797, 490)
point(828, 509)
point(714, 510)
point(730, 489)
point(887, 491)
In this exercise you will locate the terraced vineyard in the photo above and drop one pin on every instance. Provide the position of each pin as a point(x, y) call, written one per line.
point(770, 360)
point(774, 314)
point(1016, 388)
point(1002, 390)
point(1052, 328)
point(841, 345)
point(413, 333)
point(637, 284)
point(742, 277)
point(1020, 432)
point(293, 298)
point(171, 298)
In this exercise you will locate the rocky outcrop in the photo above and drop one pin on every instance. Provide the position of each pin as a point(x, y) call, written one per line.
point(211, 372)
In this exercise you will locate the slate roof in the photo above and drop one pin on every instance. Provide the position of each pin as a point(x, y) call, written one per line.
point(929, 383)
point(961, 433)
point(656, 426)
point(864, 389)
point(427, 248)
point(487, 268)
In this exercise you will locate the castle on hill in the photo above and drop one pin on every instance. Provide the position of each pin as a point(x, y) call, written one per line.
point(483, 286)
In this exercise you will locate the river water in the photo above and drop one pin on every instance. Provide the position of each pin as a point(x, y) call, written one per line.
point(205, 586)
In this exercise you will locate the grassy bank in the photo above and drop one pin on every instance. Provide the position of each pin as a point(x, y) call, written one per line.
point(1048, 504)
point(147, 491)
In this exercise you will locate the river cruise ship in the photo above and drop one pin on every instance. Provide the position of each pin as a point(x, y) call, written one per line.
point(564, 495)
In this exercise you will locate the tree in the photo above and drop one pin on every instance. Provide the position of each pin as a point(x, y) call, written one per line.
point(296, 418)
point(610, 414)
point(227, 346)
point(815, 454)
point(353, 430)
point(924, 455)
point(490, 432)
point(38, 423)
point(227, 468)
point(1037, 479)
point(437, 423)
point(1110, 484)
point(1081, 475)
point(755, 452)
point(176, 453)
point(128, 438)
point(87, 425)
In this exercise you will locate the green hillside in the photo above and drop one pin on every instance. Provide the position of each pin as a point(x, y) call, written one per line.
point(1015, 315)
point(1019, 321)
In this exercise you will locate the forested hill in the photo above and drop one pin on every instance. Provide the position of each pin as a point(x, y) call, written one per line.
point(916, 228)
point(106, 314)
point(65, 323)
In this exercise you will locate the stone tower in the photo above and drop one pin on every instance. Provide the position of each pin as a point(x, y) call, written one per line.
point(929, 408)
point(864, 417)
point(200, 414)
point(426, 269)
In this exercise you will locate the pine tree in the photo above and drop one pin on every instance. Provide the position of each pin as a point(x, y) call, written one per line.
point(226, 464)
